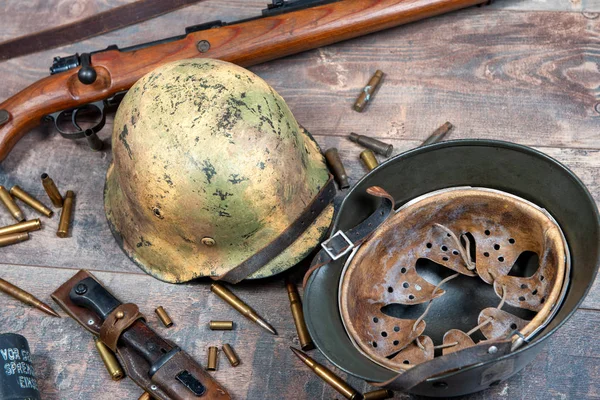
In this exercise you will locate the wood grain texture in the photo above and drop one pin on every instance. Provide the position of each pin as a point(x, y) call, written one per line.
point(91, 242)
point(481, 61)
point(69, 368)
point(483, 70)
point(246, 44)
point(528, 77)
point(96, 24)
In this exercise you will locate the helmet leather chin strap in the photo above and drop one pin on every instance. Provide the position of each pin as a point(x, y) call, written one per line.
point(285, 239)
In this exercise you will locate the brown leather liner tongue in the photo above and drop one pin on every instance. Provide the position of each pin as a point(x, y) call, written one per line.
point(501, 323)
point(476, 232)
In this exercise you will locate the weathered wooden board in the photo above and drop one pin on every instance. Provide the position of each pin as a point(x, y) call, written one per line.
point(20, 18)
point(482, 70)
point(589, 7)
point(69, 368)
point(74, 167)
point(531, 76)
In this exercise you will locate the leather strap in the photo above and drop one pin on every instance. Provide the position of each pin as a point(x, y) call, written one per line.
point(482, 352)
point(140, 350)
point(285, 240)
point(113, 19)
point(341, 243)
point(113, 327)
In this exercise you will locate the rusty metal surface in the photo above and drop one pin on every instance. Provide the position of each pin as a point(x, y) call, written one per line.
point(456, 340)
point(476, 232)
point(501, 323)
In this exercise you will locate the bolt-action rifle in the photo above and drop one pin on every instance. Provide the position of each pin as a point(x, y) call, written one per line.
point(97, 80)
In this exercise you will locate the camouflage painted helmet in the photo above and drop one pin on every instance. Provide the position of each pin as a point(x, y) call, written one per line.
point(213, 176)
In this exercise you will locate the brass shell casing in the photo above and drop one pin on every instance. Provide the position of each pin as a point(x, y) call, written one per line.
point(329, 377)
point(377, 146)
point(244, 309)
point(306, 342)
point(213, 353)
point(221, 325)
point(13, 238)
point(25, 226)
point(31, 201)
point(231, 356)
point(25, 297)
point(65, 215)
point(10, 205)
point(145, 396)
point(337, 168)
point(368, 91)
point(110, 361)
point(368, 157)
point(438, 135)
point(230, 298)
point(164, 317)
point(380, 394)
point(52, 191)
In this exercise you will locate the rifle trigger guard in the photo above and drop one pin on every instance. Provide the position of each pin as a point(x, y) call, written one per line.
point(71, 115)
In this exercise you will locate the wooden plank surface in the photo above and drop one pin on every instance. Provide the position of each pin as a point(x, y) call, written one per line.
point(523, 71)
point(68, 366)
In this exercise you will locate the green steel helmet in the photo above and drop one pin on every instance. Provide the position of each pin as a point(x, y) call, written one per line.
point(213, 176)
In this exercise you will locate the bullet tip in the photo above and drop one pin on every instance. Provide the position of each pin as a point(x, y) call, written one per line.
point(266, 325)
point(48, 310)
point(300, 355)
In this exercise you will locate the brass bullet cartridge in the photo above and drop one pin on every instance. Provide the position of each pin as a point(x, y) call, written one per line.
point(377, 146)
point(10, 204)
point(13, 238)
point(368, 91)
point(221, 325)
point(368, 158)
point(335, 165)
point(25, 226)
point(438, 135)
point(52, 191)
point(306, 342)
point(145, 396)
point(110, 360)
point(240, 306)
point(380, 394)
point(31, 201)
point(329, 377)
point(164, 317)
point(65, 215)
point(213, 353)
point(231, 356)
point(24, 296)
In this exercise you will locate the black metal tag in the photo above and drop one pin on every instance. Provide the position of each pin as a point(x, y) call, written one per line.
point(190, 382)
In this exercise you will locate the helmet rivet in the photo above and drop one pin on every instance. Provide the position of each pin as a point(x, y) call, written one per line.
point(493, 350)
point(208, 241)
point(119, 315)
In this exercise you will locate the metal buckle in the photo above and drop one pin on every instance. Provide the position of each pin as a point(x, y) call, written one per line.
point(343, 253)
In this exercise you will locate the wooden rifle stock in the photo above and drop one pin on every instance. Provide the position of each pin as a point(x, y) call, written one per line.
point(246, 43)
